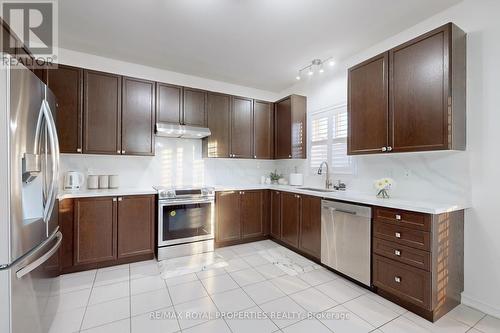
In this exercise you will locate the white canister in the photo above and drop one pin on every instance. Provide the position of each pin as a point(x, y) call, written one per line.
point(114, 181)
point(103, 181)
point(296, 179)
point(93, 182)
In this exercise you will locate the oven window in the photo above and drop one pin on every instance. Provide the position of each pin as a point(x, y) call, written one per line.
point(184, 221)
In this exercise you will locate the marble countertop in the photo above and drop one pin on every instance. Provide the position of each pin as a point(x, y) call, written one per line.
point(84, 193)
point(430, 207)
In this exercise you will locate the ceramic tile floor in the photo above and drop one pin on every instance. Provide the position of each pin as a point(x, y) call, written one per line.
point(252, 292)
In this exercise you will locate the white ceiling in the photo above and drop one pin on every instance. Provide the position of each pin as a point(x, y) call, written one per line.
point(255, 43)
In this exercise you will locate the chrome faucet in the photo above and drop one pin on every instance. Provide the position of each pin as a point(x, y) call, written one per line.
point(328, 182)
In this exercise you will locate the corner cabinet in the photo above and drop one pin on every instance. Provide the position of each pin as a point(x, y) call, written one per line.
point(290, 128)
point(411, 98)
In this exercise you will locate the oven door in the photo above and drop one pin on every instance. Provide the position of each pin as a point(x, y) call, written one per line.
point(185, 221)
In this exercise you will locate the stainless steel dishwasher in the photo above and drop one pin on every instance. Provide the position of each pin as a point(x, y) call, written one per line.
point(346, 238)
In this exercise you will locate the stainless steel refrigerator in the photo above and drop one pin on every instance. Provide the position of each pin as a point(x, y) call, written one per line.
point(29, 171)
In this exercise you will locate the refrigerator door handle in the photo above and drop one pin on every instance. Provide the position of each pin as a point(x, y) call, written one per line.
point(35, 264)
point(54, 146)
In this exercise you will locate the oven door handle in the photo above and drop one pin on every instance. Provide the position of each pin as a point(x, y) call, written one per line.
point(185, 202)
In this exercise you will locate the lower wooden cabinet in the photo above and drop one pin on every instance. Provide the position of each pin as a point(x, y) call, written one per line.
point(275, 216)
point(135, 230)
point(95, 230)
point(105, 231)
point(310, 226)
point(290, 218)
point(418, 259)
point(241, 216)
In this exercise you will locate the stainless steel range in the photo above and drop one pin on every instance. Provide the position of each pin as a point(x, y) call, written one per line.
point(186, 221)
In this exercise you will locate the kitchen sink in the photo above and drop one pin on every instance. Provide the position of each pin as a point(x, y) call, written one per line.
point(316, 189)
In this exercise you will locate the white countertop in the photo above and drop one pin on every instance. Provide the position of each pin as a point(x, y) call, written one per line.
point(84, 193)
point(430, 207)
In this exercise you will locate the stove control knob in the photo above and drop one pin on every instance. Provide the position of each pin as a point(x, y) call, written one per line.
point(170, 194)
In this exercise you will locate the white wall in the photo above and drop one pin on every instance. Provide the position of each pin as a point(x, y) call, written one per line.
point(443, 176)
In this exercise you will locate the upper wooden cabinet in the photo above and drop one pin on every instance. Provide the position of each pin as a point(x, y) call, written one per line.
point(138, 114)
point(263, 130)
point(102, 113)
point(195, 107)
point(418, 88)
point(168, 103)
point(241, 127)
point(66, 83)
point(368, 108)
point(218, 112)
point(290, 128)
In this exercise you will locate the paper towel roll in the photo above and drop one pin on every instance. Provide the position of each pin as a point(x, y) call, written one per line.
point(296, 179)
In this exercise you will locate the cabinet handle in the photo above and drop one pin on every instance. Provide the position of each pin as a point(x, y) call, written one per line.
point(398, 217)
point(289, 156)
point(397, 252)
point(118, 151)
point(78, 150)
point(241, 192)
point(254, 156)
point(120, 199)
point(389, 148)
point(397, 279)
point(384, 148)
point(114, 199)
point(123, 151)
point(297, 196)
point(277, 193)
point(397, 234)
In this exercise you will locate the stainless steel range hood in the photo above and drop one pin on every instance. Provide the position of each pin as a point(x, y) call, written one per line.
point(181, 131)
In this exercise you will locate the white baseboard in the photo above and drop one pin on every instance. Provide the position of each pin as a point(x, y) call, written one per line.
point(481, 306)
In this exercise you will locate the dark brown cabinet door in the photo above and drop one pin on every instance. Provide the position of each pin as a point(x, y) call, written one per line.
point(195, 109)
point(101, 113)
point(94, 230)
point(228, 216)
point(135, 225)
point(275, 227)
point(310, 226)
point(419, 90)
point(242, 127)
point(290, 218)
point(168, 103)
point(217, 144)
point(368, 114)
point(67, 85)
point(283, 129)
point(299, 127)
point(252, 213)
point(138, 112)
point(263, 130)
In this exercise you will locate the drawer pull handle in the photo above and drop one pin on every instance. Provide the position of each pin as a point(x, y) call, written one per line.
point(397, 252)
point(398, 217)
point(397, 279)
point(397, 234)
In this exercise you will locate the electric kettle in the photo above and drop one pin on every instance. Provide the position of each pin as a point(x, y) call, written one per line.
point(73, 180)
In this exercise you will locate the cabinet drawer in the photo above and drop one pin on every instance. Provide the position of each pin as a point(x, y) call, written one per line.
point(406, 282)
point(407, 255)
point(413, 220)
point(406, 236)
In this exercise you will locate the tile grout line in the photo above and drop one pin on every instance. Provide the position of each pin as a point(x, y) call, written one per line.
point(173, 305)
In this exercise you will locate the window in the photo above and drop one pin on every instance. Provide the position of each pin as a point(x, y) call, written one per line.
point(329, 140)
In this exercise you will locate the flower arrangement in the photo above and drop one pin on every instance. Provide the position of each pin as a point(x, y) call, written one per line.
point(275, 176)
point(383, 185)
